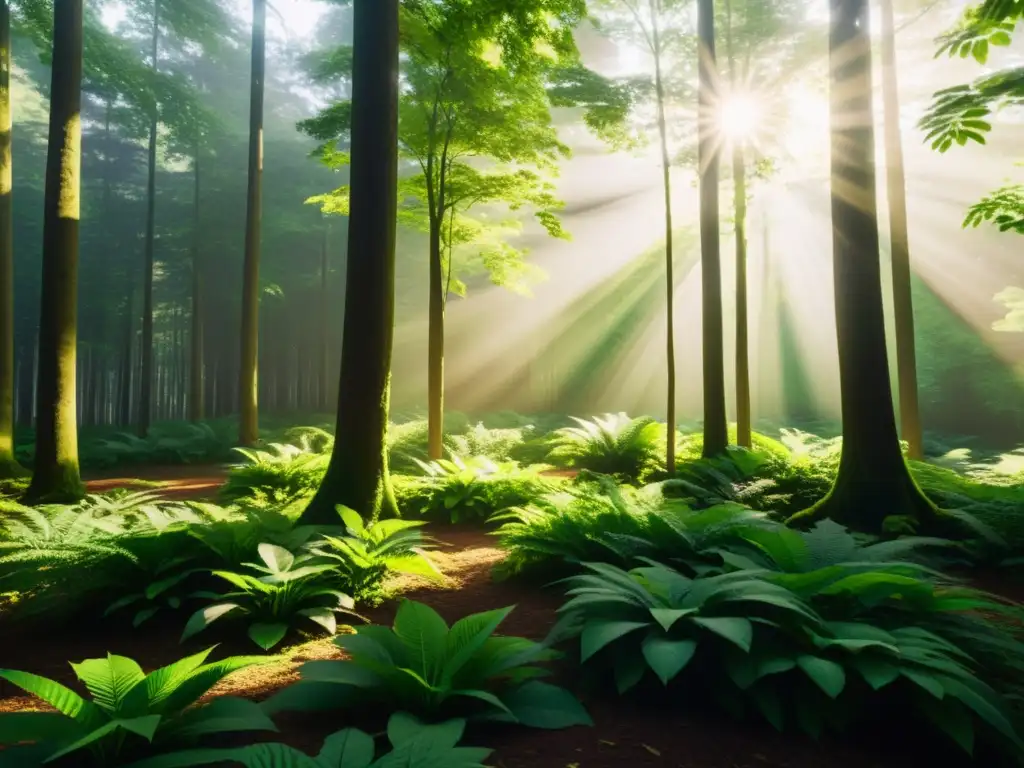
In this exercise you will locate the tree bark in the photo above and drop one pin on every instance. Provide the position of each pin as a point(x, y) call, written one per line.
point(899, 238)
point(873, 482)
point(357, 476)
point(248, 374)
point(196, 404)
point(716, 434)
point(9, 467)
point(324, 355)
point(56, 476)
point(670, 284)
point(146, 383)
point(435, 345)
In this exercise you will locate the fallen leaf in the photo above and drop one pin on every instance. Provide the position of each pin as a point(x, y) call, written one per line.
point(651, 749)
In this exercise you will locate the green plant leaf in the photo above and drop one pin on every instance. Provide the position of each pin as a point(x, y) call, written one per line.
point(877, 672)
point(467, 636)
point(278, 559)
point(404, 728)
point(110, 680)
point(204, 617)
point(17, 727)
point(735, 629)
point(224, 714)
point(352, 521)
point(267, 635)
point(425, 634)
point(667, 657)
point(542, 705)
point(144, 726)
point(343, 672)
point(827, 675)
point(666, 617)
point(160, 683)
point(629, 670)
point(350, 748)
point(61, 698)
point(323, 616)
point(598, 633)
point(252, 756)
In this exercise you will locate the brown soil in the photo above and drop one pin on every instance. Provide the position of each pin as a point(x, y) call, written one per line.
point(175, 483)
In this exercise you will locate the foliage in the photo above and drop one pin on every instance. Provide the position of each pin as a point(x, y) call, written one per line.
point(368, 552)
point(473, 488)
point(432, 670)
point(130, 715)
point(167, 587)
point(755, 642)
point(1003, 207)
point(613, 444)
point(291, 589)
point(414, 745)
point(281, 473)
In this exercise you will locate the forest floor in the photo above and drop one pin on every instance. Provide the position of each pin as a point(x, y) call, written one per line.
point(623, 736)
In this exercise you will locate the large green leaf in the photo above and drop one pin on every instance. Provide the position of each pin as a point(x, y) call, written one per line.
point(404, 728)
point(542, 705)
point(161, 683)
point(826, 674)
point(735, 629)
point(252, 756)
point(202, 618)
point(666, 617)
point(878, 672)
point(224, 714)
point(313, 696)
point(267, 635)
point(598, 633)
point(667, 657)
point(425, 635)
point(144, 726)
point(343, 672)
point(352, 521)
point(110, 680)
point(467, 636)
point(278, 559)
point(61, 698)
point(49, 727)
point(350, 748)
point(323, 616)
point(204, 678)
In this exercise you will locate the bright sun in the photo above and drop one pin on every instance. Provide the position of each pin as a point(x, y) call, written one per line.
point(739, 116)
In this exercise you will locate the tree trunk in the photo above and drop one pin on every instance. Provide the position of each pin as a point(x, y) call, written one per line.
point(146, 383)
point(196, 405)
point(670, 284)
point(716, 432)
point(56, 477)
point(357, 475)
point(873, 482)
point(435, 345)
point(126, 382)
point(744, 437)
point(324, 355)
point(248, 394)
point(903, 302)
point(8, 465)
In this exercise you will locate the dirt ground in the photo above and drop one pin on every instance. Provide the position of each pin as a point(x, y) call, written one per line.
point(624, 735)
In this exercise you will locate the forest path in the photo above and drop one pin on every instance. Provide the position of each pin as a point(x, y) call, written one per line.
point(185, 482)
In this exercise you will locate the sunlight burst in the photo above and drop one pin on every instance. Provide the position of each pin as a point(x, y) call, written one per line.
point(740, 116)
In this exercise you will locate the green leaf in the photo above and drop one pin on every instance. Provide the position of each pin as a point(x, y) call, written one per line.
point(827, 675)
point(485, 696)
point(160, 683)
point(204, 678)
point(404, 728)
point(666, 617)
point(61, 698)
point(278, 559)
point(109, 680)
point(542, 705)
point(600, 632)
point(467, 636)
point(253, 756)
point(16, 727)
point(342, 672)
point(877, 672)
point(425, 635)
point(735, 629)
point(629, 670)
point(323, 616)
point(350, 748)
point(666, 657)
point(204, 617)
point(143, 726)
point(265, 635)
point(352, 521)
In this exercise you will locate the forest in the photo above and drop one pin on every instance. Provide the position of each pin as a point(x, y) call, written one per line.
point(511, 383)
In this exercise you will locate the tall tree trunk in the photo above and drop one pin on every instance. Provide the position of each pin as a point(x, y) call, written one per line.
point(248, 395)
point(56, 476)
point(670, 284)
point(146, 384)
point(716, 430)
point(8, 465)
point(873, 481)
point(435, 344)
point(324, 354)
point(744, 436)
point(126, 378)
point(903, 302)
point(357, 475)
point(196, 405)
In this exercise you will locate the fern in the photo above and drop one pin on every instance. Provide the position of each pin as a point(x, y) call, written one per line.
point(613, 444)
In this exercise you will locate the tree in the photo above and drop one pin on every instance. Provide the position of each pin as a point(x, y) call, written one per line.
point(248, 429)
point(146, 385)
point(873, 482)
point(56, 476)
point(716, 434)
point(357, 475)
point(196, 397)
point(899, 239)
point(9, 467)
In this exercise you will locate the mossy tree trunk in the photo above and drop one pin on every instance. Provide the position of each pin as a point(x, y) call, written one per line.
point(9, 467)
point(324, 356)
point(873, 482)
point(56, 476)
point(716, 434)
point(899, 238)
point(357, 476)
point(670, 285)
point(435, 343)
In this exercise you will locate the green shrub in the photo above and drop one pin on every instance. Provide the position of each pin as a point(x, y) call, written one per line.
point(435, 671)
point(757, 644)
point(166, 587)
point(413, 745)
point(614, 444)
point(291, 590)
point(366, 554)
point(280, 474)
point(131, 714)
point(495, 444)
point(473, 488)
point(171, 443)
